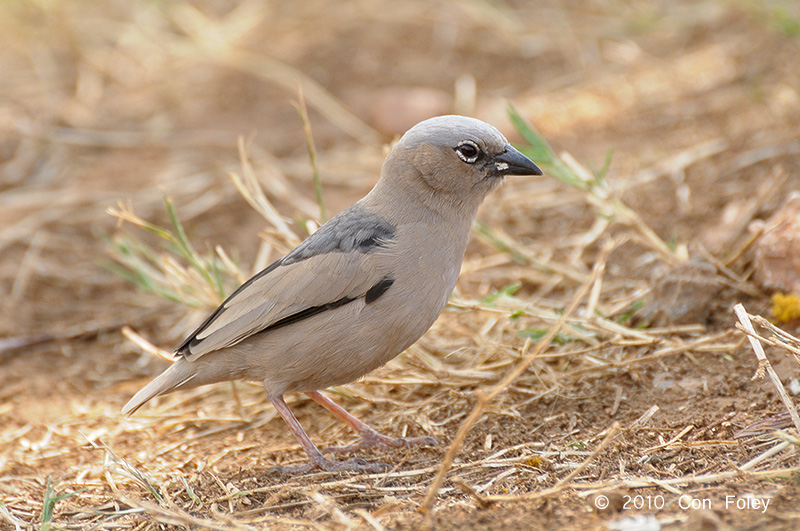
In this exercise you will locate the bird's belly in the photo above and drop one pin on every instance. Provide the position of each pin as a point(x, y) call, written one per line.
point(341, 345)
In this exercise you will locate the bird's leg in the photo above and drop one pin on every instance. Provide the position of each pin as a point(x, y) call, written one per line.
point(315, 457)
point(369, 437)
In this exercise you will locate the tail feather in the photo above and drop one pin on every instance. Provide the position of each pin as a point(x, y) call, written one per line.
point(177, 375)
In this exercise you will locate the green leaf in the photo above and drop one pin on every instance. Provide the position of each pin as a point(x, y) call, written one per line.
point(600, 174)
point(537, 334)
point(516, 315)
point(623, 318)
point(507, 291)
point(540, 152)
point(50, 501)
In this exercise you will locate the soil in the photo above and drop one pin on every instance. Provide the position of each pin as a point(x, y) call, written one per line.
point(700, 102)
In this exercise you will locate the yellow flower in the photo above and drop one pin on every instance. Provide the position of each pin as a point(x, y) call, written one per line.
point(785, 307)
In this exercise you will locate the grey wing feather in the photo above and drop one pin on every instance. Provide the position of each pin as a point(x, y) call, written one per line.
point(335, 264)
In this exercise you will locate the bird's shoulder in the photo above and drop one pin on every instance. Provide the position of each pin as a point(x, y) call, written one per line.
point(355, 229)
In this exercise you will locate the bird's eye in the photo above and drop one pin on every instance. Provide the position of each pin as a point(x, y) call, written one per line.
point(468, 151)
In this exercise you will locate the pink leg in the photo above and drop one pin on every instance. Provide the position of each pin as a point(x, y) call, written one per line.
point(315, 457)
point(369, 437)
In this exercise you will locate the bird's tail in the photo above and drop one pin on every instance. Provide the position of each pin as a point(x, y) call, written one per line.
point(177, 375)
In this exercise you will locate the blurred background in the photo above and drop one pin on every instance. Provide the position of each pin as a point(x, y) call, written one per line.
point(688, 110)
point(129, 100)
point(118, 100)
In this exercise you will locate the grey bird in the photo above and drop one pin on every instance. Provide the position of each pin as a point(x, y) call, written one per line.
point(358, 291)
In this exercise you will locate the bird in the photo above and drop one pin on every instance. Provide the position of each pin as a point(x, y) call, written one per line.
point(359, 290)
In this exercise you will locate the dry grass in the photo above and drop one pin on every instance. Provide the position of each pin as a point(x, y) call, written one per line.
point(566, 366)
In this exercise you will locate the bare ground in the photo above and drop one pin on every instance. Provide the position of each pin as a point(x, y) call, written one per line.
point(700, 102)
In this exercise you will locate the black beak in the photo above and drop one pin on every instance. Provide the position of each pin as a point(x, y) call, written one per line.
point(512, 162)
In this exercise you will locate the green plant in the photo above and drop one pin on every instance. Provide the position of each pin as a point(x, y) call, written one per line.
point(175, 271)
point(594, 184)
point(50, 501)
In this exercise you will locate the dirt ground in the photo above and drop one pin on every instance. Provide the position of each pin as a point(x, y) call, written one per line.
point(626, 421)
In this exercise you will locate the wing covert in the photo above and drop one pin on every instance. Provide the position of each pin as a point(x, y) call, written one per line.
point(334, 266)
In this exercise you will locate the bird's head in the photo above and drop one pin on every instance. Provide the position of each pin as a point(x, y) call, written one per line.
point(454, 157)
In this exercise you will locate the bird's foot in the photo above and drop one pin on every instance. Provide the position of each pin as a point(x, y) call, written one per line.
point(321, 463)
point(371, 440)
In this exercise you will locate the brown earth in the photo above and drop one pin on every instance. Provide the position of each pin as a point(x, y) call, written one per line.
point(127, 101)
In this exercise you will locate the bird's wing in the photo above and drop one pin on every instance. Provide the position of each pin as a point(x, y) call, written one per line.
point(338, 264)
